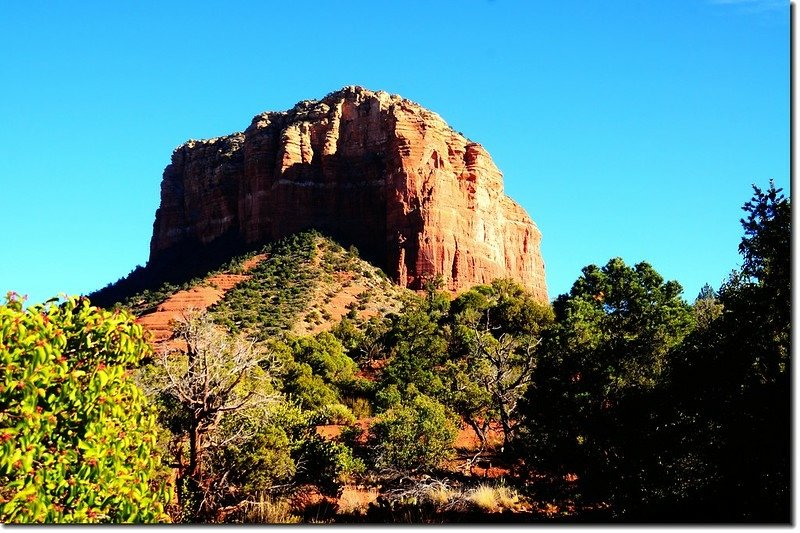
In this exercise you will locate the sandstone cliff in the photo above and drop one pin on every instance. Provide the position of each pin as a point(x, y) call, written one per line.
point(368, 168)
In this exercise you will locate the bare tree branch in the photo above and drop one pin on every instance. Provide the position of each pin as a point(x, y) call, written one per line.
point(216, 375)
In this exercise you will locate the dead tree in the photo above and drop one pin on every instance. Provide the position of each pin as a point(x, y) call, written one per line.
point(216, 374)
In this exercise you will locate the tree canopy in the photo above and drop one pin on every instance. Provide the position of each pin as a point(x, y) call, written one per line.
point(609, 346)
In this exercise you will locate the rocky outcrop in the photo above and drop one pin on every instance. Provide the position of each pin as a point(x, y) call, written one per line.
point(369, 169)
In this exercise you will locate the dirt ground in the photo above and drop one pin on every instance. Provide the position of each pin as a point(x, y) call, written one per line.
point(159, 322)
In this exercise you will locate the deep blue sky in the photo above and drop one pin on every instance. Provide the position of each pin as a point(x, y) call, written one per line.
point(625, 128)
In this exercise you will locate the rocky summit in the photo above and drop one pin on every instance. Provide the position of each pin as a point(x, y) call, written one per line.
point(370, 169)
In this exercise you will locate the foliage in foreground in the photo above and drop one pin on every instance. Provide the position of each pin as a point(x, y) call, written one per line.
point(666, 422)
point(608, 349)
point(728, 439)
point(77, 435)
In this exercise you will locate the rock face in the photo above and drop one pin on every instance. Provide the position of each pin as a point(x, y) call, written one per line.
point(367, 168)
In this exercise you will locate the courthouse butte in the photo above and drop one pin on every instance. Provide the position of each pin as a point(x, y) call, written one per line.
point(367, 168)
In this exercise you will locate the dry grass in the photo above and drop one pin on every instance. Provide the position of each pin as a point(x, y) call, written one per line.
point(269, 510)
point(440, 495)
point(429, 500)
point(356, 500)
point(491, 499)
point(507, 498)
point(360, 407)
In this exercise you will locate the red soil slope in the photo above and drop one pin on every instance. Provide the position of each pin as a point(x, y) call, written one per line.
point(159, 322)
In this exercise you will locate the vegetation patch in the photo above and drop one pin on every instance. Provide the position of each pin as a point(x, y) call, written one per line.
point(278, 289)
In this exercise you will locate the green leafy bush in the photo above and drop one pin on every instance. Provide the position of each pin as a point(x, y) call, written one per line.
point(301, 383)
point(256, 460)
point(336, 413)
point(416, 434)
point(325, 354)
point(77, 435)
point(328, 464)
point(418, 345)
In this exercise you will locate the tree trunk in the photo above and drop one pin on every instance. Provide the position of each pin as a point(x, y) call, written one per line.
point(194, 453)
point(507, 429)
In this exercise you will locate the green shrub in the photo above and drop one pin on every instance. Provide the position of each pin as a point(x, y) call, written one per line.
point(328, 464)
point(77, 435)
point(388, 397)
point(336, 413)
point(417, 434)
point(325, 354)
point(308, 388)
point(255, 461)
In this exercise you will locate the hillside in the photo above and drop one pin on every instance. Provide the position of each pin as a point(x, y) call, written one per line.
point(304, 284)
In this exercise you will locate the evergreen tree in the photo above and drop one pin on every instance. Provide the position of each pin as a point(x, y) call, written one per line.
point(731, 385)
point(591, 410)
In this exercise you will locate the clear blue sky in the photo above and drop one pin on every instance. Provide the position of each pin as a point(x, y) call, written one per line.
point(625, 128)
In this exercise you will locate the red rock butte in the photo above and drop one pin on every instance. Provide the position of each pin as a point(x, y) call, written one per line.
point(367, 168)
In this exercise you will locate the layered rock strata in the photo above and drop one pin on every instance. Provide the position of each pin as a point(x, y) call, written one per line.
point(369, 169)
